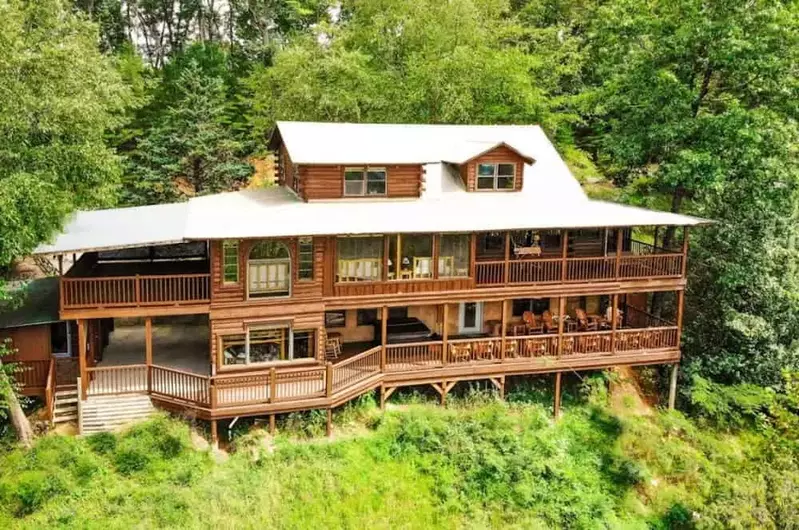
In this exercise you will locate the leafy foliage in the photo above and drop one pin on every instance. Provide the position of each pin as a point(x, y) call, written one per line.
point(58, 96)
point(480, 463)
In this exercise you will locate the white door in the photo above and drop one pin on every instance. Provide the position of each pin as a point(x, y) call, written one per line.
point(471, 318)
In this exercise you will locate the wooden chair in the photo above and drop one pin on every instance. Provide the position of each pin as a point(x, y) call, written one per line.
point(332, 348)
point(532, 323)
point(549, 322)
point(583, 323)
point(460, 352)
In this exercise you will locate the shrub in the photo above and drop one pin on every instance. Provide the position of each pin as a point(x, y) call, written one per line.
point(102, 443)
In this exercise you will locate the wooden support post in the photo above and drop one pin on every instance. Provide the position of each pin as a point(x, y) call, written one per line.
point(680, 311)
point(383, 333)
point(84, 377)
point(618, 251)
point(472, 256)
point(272, 385)
point(436, 250)
point(214, 434)
point(561, 319)
point(506, 267)
point(445, 336)
point(564, 241)
point(504, 329)
point(684, 250)
point(614, 315)
point(328, 379)
point(60, 264)
point(272, 424)
point(556, 411)
point(382, 397)
point(148, 350)
point(329, 427)
point(673, 385)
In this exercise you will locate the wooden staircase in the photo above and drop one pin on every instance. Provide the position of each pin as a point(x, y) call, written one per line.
point(108, 413)
point(66, 405)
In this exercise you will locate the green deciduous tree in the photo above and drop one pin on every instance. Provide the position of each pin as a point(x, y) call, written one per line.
point(424, 61)
point(694, 102)
point(58, 97)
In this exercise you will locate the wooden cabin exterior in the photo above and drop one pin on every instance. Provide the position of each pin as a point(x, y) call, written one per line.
point(314, 293)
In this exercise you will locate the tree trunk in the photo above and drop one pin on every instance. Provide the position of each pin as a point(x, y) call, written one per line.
point(18, 418)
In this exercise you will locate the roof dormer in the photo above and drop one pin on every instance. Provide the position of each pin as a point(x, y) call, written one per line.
point(498, 167)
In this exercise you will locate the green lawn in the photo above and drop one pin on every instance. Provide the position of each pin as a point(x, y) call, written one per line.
point(479, 463)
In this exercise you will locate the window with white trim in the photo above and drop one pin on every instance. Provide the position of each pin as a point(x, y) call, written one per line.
point(269, 270)
point(496, 176)
point(263, 344)
point(230, 261)
point(364, 181)
point(305, 259)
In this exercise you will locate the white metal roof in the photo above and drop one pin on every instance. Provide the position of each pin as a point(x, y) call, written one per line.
point(120, 228)
point(378, 143)
point(550, 197)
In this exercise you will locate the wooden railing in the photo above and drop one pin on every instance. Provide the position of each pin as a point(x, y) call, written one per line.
point(286, 384)
point(177, 384)
point(49, 391)
point(530, 347)
point(131, 291)
point(30, 375)
point(642, 260)
point(413, 356)
point(356, 369)
point(471, 350)
point(108, 380)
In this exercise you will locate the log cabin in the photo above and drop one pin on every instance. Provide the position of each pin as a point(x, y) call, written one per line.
point(384, 256)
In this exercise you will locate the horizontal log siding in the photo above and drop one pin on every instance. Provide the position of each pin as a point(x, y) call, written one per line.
point(501, 154)
point(287, 314)
point(226, 295)
point(320, 182)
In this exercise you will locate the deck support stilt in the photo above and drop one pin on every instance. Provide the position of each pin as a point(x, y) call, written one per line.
point(556, 408)
point(673, 385)
point(214, 435)
point(272, 427)
point(329, 428)
point(499, 383)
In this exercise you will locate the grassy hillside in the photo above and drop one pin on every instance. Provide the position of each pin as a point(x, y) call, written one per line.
point(479, 463)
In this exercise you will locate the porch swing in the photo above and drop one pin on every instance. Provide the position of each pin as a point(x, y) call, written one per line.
point(531, 247)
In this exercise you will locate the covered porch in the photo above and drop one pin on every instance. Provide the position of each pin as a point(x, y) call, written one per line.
point(175, 274)
point(548, 329)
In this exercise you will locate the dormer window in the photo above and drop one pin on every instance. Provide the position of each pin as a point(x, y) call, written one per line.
point(496, 176)
point(363, 181)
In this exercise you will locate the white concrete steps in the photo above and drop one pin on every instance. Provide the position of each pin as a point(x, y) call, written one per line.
point(108, 413)
point(65, 407)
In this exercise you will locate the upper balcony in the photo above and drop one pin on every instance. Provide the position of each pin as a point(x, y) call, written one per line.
point(416, 263)
point(517, 258)
point(144, 277)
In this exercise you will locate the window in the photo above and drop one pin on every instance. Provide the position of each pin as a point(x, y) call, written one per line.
point(410, 256)
point(360, 259)
point(496, 176)
point(305, 258)
point(304, 341)
point(335, 319)
point(367, 317)
point(230, 261)
point(269, 270)
point(453, 255)
point(360, 181)
point(535, 305)
point(267, 344)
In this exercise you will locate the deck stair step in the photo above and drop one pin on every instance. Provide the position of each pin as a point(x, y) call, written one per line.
point(65, 406)
point(107, 413)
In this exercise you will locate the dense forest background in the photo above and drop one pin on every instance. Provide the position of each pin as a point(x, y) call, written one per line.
point(684, 105)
